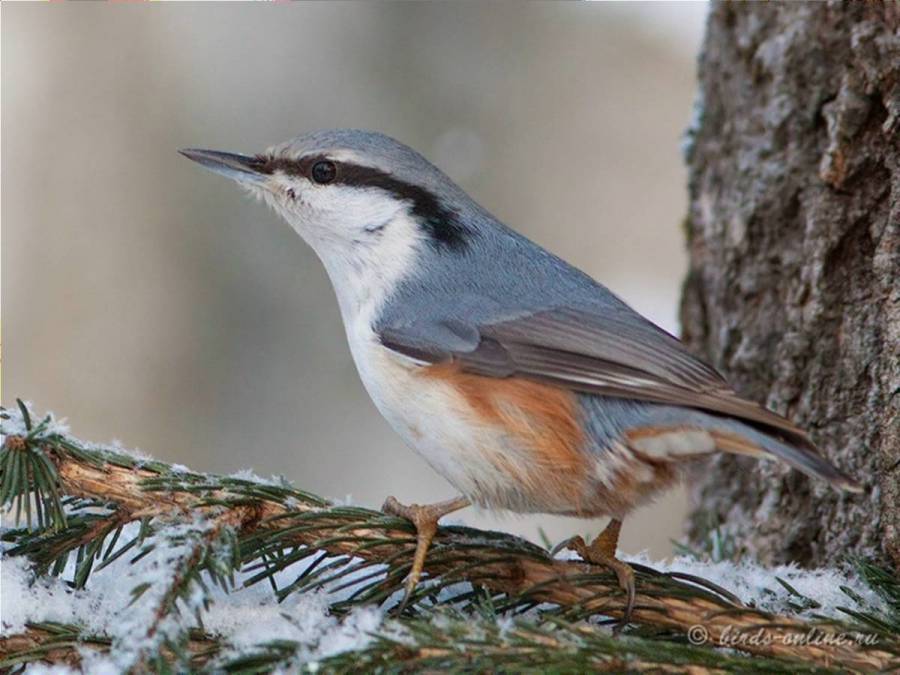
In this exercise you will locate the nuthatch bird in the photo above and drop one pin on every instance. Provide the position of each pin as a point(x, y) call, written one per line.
point(526, 384)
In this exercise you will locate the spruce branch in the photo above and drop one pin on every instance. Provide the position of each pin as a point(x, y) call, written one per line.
point(448, 641)
point(52, 642)
point(225, 525)
point(209, 549)
point(451, 641)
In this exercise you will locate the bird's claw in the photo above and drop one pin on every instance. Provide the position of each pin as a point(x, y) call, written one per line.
point(602, 551)
point(425, 518)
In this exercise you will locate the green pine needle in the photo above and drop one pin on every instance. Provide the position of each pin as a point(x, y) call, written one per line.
point(29, 480)
point(452, 622)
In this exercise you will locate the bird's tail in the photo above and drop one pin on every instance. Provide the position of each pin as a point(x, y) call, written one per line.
point(802, 455)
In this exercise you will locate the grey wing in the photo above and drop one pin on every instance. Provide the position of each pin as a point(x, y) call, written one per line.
point(622, 355)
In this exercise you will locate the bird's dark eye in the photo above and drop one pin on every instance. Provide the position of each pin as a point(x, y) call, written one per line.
point(291, 194)
point(324, 172)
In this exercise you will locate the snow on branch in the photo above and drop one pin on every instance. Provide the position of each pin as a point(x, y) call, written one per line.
point(130, 564)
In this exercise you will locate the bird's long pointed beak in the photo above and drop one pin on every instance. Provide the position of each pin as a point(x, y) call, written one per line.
point(242, 168)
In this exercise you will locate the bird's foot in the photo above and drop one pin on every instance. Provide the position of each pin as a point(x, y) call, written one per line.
point(425, 518)
point(602, 551)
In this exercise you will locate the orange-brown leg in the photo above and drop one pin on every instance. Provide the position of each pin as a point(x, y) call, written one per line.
point(425, 518)
point(602, 551)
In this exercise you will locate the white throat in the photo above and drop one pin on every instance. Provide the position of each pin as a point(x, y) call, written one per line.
point(365, 273)
point(367, 241)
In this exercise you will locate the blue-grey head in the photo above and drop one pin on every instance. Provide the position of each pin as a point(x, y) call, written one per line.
point(367, 204)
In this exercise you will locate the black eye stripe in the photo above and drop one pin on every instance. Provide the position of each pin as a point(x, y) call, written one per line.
point(439, 220)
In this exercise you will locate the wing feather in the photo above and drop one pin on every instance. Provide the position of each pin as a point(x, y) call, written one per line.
point(624, 356)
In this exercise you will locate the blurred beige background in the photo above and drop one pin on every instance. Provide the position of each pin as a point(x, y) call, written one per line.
point(150, 302)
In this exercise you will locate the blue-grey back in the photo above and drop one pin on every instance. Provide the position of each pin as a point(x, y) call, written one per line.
point(496, 273)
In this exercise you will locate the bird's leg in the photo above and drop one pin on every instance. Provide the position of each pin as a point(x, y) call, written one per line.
point(602, 551)
point(425, 518)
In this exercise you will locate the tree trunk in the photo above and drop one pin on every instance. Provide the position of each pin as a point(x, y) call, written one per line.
point(793, 291)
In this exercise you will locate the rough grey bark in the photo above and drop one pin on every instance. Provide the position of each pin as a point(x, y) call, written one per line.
point(794, 283)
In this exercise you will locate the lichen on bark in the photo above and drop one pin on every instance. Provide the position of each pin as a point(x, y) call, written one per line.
point(793, 290)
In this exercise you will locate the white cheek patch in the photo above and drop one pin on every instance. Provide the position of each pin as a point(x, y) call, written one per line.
point(377, 225)
point(339, 212)
point(366, 238)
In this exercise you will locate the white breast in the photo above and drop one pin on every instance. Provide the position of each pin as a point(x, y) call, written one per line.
point(437, 422)
point(429, 414)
